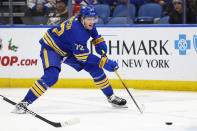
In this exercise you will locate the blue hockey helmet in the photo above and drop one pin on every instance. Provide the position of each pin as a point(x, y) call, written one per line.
point(88, 11)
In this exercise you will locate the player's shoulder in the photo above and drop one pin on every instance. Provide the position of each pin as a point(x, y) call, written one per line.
point(76, 23)
point(77, 27)
point(71, 23)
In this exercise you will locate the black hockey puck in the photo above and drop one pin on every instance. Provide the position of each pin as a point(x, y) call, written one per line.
point(168, 123)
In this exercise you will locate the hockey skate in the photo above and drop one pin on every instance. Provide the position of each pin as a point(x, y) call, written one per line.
point(117, 102)
point(20, 107)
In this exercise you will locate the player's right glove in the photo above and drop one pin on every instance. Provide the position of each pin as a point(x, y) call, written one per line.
point(108, 64)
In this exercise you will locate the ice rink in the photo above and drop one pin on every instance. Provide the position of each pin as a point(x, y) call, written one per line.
point(96, 114)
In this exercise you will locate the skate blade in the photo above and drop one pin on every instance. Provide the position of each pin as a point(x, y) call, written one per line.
point(16, 111)
point(119, 106)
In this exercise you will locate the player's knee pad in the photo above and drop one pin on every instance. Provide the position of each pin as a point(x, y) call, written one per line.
point(50, 76)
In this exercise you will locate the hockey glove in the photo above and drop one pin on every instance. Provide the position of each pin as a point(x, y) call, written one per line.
point(108, 64)
point(99, 44)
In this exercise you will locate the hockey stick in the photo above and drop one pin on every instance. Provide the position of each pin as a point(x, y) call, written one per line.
point(55, 124)
point(142, 107)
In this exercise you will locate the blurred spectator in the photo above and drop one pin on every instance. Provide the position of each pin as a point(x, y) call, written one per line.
point(59, 14)
point(36, 10)
point(78, 3)
point(39, 7)
point(45, 3)
point(176, 16)
point(193, 5)
point(169, 8)
point(76, 9)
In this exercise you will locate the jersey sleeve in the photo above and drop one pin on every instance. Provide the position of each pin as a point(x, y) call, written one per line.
point(96, 37)
point(94, 32)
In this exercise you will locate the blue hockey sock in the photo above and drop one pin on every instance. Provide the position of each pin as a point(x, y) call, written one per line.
point(37, 89)
point(49, 78)
point(102, 82)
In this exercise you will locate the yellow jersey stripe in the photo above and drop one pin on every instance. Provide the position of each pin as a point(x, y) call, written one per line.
point(37, 89)
point(102, 82)
point(35, 93)
point(51, 45)
point(46, 60)
point(80, 55)
point(103, 87)
point(83, 57)
point(45, 41)
point(40, 86)
point(55, 45)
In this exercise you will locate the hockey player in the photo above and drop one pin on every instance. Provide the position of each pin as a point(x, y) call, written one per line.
point(68, 42)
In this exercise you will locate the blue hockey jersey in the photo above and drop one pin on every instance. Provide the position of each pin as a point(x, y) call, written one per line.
point(69, 38)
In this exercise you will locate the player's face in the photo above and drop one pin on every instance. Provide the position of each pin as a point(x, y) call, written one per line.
point(89, 22)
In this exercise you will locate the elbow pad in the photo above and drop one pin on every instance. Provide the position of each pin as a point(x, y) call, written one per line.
point(97, 40)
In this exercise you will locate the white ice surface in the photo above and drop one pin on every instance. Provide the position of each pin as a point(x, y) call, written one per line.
point(96, 114)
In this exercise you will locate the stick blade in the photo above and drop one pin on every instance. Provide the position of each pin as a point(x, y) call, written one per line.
point(70, 122)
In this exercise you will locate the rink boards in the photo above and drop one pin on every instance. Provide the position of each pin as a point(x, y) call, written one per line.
point(150, 57)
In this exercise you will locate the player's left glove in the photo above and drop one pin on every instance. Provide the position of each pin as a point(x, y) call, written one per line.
point(99, 44)
point(108, 64)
